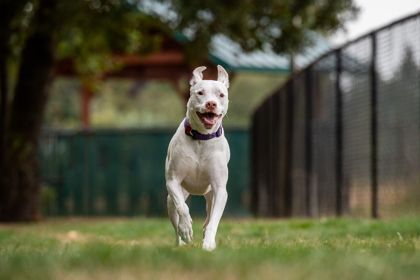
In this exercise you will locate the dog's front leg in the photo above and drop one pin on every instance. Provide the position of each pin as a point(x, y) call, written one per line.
point(218, 205)
point(184, 229)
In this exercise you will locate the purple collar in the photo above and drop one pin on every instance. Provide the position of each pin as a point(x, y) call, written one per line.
point(197, 135)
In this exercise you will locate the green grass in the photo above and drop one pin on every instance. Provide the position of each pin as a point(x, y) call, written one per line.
point(247, 249)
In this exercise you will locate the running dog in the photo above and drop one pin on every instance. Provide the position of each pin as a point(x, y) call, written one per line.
point(198, 156)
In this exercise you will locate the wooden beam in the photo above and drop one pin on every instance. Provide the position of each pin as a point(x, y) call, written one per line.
point(161, 58)
point(154, 66)
point(150, 72)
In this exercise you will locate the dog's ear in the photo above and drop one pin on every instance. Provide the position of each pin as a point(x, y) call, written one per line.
point(222, 76)
point(197, 75)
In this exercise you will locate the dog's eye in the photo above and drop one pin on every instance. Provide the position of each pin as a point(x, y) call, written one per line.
point(222, 95)
point(200, 93)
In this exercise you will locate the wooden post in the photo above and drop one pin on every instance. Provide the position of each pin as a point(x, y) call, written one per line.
point(86, 95)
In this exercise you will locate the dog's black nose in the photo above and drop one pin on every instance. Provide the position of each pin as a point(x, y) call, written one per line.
point(211, 105)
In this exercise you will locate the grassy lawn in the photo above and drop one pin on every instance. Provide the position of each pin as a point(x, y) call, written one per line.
point(247, 249)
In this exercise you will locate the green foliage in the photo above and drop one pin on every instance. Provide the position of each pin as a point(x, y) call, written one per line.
point(63, 110)
point(283, 24)
point(93, 30)
point(90, 30)
point(248, 249)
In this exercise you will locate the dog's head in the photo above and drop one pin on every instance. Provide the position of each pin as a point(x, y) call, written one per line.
point(208, 102)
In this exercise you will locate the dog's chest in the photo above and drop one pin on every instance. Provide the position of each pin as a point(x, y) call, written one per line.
point(199, 155)
point(199, 166)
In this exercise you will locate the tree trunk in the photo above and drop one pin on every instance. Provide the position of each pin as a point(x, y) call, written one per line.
point(3, 107)
point(9, 10)
point(20, 182)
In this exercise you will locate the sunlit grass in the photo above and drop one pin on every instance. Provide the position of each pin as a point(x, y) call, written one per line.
point(247, 249)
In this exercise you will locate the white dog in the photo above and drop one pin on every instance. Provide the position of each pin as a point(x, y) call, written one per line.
point(198, 156)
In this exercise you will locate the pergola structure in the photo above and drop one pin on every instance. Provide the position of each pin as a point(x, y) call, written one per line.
point(170, 64)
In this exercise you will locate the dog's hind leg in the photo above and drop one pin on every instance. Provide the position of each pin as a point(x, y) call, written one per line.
point(174, 217)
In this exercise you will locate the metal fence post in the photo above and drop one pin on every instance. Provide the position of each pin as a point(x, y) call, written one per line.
point(339, 136)
point(308, 139)
point(289, 147)
point(275, 146)
point(271, 184)
point(374, 130)
point(254, 163)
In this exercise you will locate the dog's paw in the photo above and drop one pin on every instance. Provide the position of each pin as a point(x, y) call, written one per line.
point(185, 230)
point(209, 245)
point(179, 242)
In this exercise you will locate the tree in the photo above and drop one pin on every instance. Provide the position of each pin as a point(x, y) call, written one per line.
point(35, 32)
point(20, 184)
point(53, 28)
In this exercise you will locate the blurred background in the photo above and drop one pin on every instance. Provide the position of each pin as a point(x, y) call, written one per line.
point(93, 90)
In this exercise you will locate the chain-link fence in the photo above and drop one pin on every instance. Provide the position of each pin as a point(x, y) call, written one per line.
point(342, 137)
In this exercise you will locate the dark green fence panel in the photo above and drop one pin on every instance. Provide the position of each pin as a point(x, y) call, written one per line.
point(121, 172)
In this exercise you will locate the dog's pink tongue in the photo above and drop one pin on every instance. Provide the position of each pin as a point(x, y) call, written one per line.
point(209, 120)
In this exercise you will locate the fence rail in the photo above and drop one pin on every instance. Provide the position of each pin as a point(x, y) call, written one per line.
point(342, 136)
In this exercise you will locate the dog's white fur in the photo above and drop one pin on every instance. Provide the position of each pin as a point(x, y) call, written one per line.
point(199, 167)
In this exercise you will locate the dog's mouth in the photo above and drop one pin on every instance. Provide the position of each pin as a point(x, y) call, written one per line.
point(208, 119)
